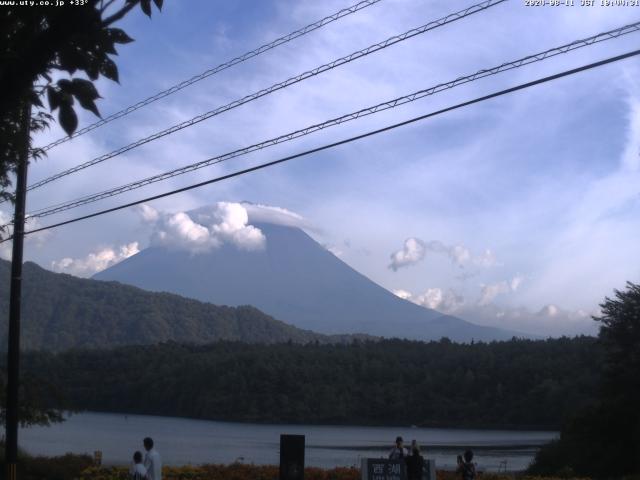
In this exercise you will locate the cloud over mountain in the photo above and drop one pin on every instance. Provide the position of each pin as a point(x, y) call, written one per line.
point(411, 253)
point(204, 229)
point(95, 261)
point(197, 231)
point(414, 250)
point(446, 301)
point(550, 320)
point(491, 291)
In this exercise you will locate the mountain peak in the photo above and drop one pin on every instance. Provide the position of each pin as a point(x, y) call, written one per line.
point(292, 278)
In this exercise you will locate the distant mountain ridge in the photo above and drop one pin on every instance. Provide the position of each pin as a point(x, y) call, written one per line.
point(61, 312)
point(295, 280)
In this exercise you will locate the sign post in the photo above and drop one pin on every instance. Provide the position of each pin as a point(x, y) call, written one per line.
point(383, 469)
point(291, 457)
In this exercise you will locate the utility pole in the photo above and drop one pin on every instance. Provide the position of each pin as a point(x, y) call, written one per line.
point(13, 355)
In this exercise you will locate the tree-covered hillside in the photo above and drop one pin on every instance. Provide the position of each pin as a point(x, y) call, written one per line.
point(520, 383)
point(61, 312)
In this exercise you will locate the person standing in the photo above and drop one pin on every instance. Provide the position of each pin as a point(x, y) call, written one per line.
point(397, 452)
point(152, 460)
point(415, 463)
point(137, 470)
point(465, 466)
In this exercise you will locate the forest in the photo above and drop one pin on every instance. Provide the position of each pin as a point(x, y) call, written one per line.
point(514, 384)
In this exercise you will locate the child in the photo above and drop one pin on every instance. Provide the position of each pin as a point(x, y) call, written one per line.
point(465, 467)
point(138, 470)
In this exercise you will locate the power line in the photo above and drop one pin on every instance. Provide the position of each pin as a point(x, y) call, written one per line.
point(217, 69)
point(278, 86)
point(46, 211)
point(345, 141)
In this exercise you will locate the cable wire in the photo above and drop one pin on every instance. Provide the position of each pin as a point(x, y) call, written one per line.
point(217, 69)
point(50, 210)
point(345, 141)
point(278, 86)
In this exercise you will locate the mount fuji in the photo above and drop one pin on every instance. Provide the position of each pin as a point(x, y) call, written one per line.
point(295, 280)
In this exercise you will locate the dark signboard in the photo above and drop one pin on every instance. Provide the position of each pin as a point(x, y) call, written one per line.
point(291, 457)
point(383, 469)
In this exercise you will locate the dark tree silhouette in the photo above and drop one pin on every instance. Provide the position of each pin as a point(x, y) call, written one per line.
point(519, 383)
point(35, 42)
point(604, 440)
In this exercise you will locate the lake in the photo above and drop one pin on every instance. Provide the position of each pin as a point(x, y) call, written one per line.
point(183, 441)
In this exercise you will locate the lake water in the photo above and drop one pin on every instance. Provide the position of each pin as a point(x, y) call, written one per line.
point(183, 441)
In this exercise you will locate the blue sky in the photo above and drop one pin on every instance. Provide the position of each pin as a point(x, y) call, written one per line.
point(523, 210)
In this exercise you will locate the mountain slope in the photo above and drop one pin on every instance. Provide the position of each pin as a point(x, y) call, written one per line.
point(61, 312)
point(296, 280)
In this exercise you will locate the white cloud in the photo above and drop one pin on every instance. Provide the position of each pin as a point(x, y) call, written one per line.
point(631, 155)
point(485, 260)
point(550, 320)
point(515, 282)
point(337, 251)
point(148, 213)
point(230, 222)
point(438, 299)
point(549, 311)
point(415, 250)
point(210, 227)
point(403, 294)
point(275, 215)
point(434, 298)
point(489, 292)
point(411, 253)
point(179, 231)
point(95, 262)
point(459, 255)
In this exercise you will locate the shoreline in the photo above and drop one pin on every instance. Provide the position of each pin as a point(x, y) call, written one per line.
point(433, 426)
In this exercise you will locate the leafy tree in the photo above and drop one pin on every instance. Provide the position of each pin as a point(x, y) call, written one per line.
point(620, 335)
point(37, 41)
point(37, 399)
point(603, 440)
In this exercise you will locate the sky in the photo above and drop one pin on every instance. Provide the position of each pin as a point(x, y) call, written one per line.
point(519, 212)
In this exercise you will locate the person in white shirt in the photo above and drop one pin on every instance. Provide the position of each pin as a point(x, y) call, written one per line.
point(152, 461)
point(138, 470)
point(398, 452)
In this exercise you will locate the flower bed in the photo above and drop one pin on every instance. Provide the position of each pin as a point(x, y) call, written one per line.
point(222, 472)
point(267, 472)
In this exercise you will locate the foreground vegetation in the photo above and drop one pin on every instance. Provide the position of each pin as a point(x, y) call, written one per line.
point(269, 472)
point(603, 439)
point(65, 467)
point(520, 383)
point(79, 467)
